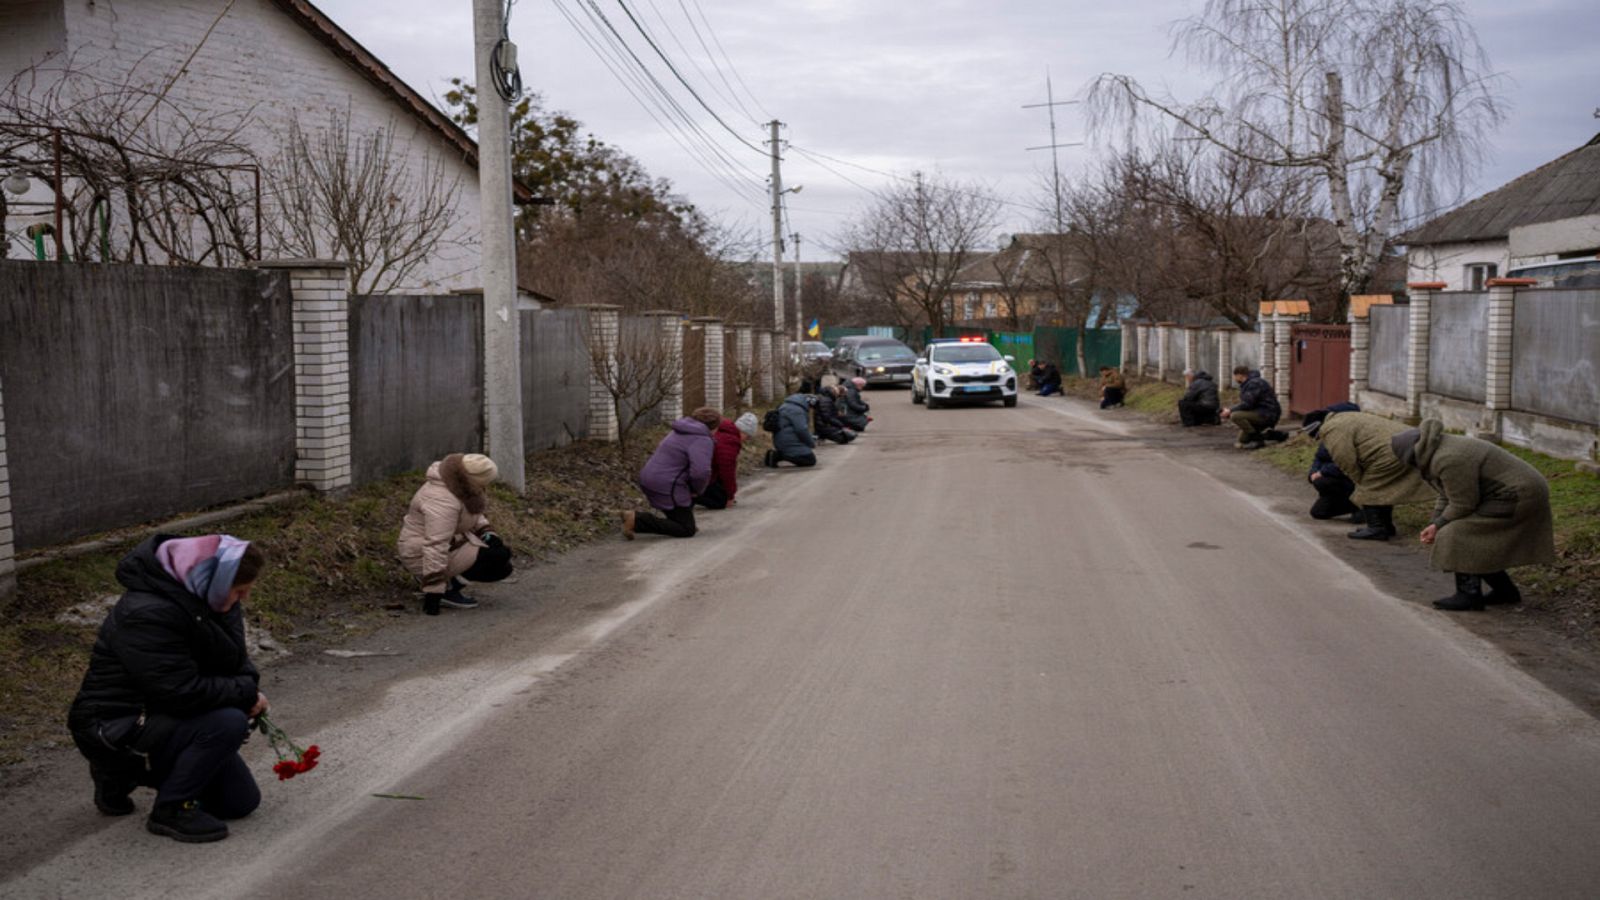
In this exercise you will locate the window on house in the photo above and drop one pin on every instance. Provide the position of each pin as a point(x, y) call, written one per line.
point(1478, 275)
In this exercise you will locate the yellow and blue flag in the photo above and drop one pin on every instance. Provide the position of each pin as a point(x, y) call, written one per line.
point(815, 330)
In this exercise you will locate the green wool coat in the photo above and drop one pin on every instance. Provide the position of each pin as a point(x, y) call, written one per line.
point(1359, 445)
point(1494, 509)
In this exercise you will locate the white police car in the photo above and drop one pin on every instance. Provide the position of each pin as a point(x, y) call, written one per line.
point(962, 370)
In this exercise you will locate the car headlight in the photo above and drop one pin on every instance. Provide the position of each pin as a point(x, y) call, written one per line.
point(880, 370)
point(943, 370)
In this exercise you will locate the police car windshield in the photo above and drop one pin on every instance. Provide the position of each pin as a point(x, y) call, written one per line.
point(964, 353)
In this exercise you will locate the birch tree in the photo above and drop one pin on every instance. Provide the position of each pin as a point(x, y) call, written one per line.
point(1389, 102)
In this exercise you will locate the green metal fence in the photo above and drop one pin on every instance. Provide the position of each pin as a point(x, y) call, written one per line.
point(1101, 347)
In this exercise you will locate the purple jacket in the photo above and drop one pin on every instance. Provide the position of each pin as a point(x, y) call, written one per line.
point(681, 466)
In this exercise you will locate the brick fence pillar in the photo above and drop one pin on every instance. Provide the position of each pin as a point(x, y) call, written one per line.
point(669, 326)
point(321, 316)
point(1162, 363)
point(1417, 353)
point(1267, 359)
point(761, 360)
point(1141, 347)
point(713, 360)
point(1283, 347)
point(1497, 370)
point(744, 356)
point(8, 542)
point(1191, 348)
point(1224, 372)
point(780, 368)
point(602, 334)
point(1360, 318)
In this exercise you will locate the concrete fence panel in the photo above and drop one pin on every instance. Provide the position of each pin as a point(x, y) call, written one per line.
point(640, 346)
point(416, 381)
point(133, 393)
point(1176, 339)
point(1555, 351)
point(1458, 345)
point(1207, 356)
point(555, 378)
point(1246, 351)
point(1391, 336)
point(1151, 335)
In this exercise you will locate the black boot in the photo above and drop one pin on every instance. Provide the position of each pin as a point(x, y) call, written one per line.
point(1375, 529)
point(111, 793)
point(455, 599)
point(1468, 595)
point(770, 460)
point(430, 604)
point(1501, 589)
point(186, 822)
point(1275, 436)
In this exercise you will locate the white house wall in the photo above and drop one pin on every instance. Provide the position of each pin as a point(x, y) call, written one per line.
point(261, 61)
point(1448, 262)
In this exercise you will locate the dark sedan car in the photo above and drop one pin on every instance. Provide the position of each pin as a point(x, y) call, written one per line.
point(879, 361)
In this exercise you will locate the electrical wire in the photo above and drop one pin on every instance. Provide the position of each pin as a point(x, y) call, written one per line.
point(726, 93)
point(648, 39)
point(728, 59)
point(638, 87)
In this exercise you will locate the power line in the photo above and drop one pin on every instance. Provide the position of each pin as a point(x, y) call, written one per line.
point(683, 81)
point(813, 155)
point(729, 60)
point(726, 93)
point(656, 111)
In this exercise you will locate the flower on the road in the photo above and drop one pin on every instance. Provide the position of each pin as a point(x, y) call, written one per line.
point(292, 759)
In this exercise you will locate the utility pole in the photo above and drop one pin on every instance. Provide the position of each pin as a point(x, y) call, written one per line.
point(799, 283)
point(502, 378)
point(1055, 161)
point(777, 231)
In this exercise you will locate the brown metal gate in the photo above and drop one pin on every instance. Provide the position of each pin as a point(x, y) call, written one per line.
point(694, 368)
point(1319, 370)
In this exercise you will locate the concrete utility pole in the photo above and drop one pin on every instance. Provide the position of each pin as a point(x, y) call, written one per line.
point(777, 231)
point(799, 283)
point(502, 377)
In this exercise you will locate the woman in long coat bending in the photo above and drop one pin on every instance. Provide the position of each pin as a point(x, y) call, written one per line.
point(1493, 513)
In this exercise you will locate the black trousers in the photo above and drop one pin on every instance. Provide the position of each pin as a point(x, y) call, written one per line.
point(678, 522)
point(1333, 497)
point(198, 759)
point(804, 457)
point(1112, 397)
point(713, 497)
point(1194, 413)
point(493, 563)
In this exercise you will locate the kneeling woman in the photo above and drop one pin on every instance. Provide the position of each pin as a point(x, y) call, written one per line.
point(678, 470)
point(170, 690)
point(446, 538)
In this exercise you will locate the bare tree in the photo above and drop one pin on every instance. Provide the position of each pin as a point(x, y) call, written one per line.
point(142, 179)
point(356, 197)
point(929, 230)
point(1389, 102)
point(639, 374)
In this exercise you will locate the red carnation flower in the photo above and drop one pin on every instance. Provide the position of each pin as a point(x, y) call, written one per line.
point(292, 760)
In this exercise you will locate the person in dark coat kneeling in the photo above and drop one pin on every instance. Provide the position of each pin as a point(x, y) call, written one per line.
point(826, 416)
point(1257, 412)
point(678, 470)
point(170, 691)
point(853, 410)
point(1199, 404)
point(1334, 488)
point(1493, 513)
point(793, 441)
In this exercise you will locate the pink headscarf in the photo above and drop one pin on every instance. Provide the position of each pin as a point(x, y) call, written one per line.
point(205, 565)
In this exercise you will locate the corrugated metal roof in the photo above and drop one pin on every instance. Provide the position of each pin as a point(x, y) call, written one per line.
point(1561, 189)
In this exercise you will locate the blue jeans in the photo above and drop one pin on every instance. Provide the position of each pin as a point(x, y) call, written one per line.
point(1049, 389)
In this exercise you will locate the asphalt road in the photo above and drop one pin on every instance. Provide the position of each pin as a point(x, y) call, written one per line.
point(979, 653)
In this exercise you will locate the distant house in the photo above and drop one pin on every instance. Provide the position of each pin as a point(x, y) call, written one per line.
point(1549, 215)
point(1021, 283)
point(266, 64)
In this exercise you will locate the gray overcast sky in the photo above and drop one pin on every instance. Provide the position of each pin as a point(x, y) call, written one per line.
point(935, 85)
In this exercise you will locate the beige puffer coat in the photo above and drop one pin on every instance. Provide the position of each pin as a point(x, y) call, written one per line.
point(1359, 445)
point(439, 537)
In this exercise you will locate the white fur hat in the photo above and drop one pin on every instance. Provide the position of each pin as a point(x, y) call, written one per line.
point(747, 424)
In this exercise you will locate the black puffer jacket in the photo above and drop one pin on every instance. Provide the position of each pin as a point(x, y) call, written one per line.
point(162, 650)
point(826, 416)
point(1256, 395)
point(854, 411)
point(1202, 391)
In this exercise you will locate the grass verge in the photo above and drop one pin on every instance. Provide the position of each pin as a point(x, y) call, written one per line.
point(333, 571)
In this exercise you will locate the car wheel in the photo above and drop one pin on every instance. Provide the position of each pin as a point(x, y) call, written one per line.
point(915, 397)
point(1011, 400)
point(931, 401)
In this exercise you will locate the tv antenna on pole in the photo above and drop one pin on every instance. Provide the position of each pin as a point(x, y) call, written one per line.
point(1050, 104)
